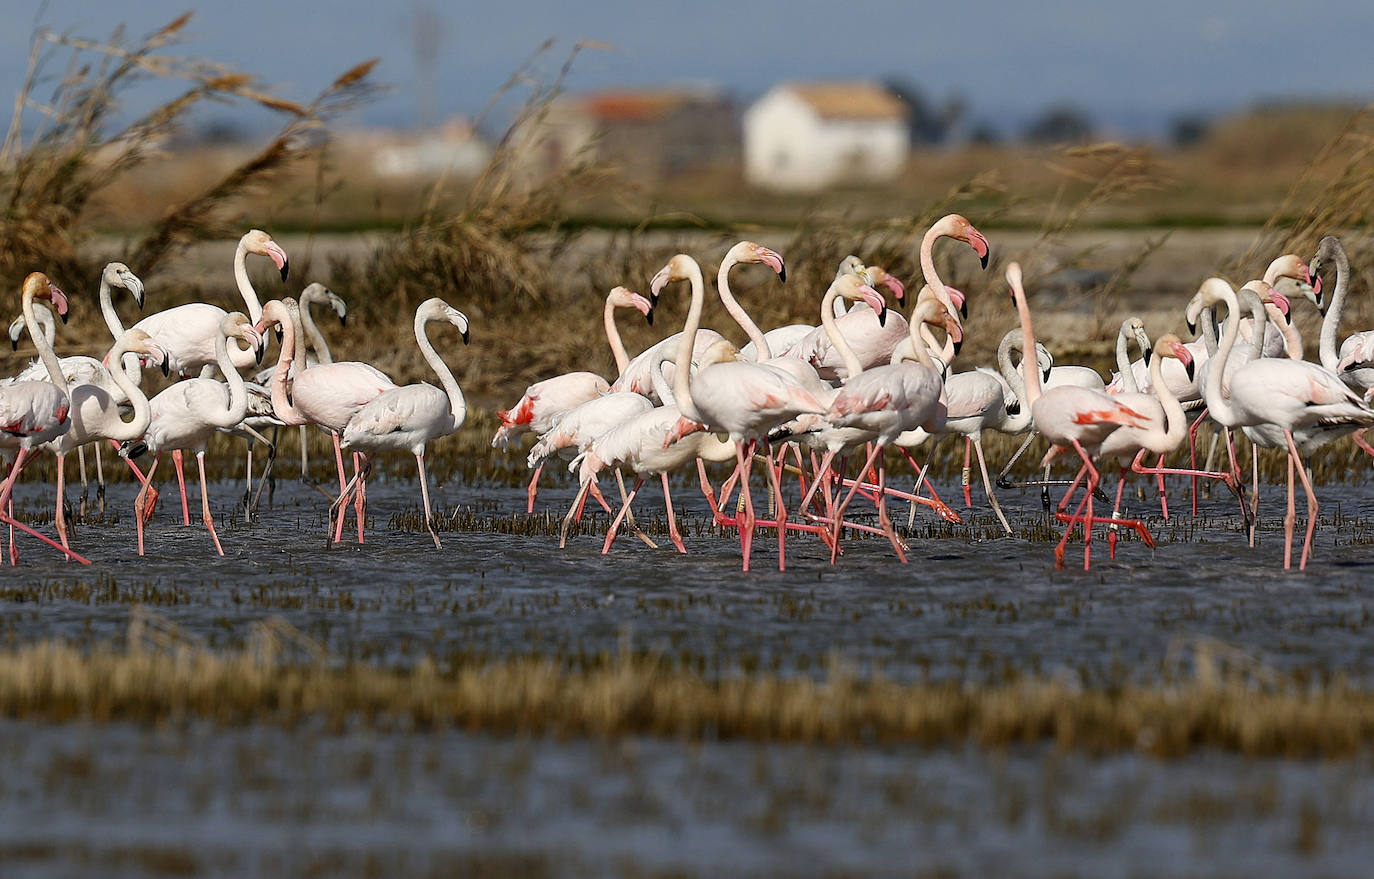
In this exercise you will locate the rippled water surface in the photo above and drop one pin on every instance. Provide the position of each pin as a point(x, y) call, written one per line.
point(209, 801)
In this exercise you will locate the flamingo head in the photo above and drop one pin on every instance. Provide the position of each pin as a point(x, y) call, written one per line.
point(876, 275)
point(237, 326)
point(1280, 303)
point(954, 328)
point(436, 309)
point(1328, 250)
point(117, 274)
point(1290, 269)
point(1169, 345)
point(1214, 291)
point(38, 286)
point(957, 227)
point(749, 252)
point(138, 342)
point(624, 297)
point(259, 242)
point(853, 288)
point(1014, 281)
point(719, 351)
point(340, 307)
point(850, 265)
point(679, 268)
point(1134, 327)
point(317, 292)
point(275, 313)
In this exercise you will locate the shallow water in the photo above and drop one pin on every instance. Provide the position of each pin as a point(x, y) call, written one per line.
point(967, 609)
point(205, 801)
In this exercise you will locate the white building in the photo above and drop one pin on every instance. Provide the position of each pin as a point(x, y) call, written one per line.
point(807, 136)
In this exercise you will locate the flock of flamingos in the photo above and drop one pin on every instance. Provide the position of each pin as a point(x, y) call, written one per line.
point(797, 400)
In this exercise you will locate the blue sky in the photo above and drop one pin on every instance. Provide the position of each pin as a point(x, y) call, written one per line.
point(1133, 65)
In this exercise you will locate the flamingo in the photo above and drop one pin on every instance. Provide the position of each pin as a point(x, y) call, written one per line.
point(34, 412)
point(185, 416)
point(1354, 362)
point(1069, 417)
point(95, 412)
point(639, 442)
point(407, 418)
point(1289, 395)
point(327, 394)
point(536, 408)
point(743, 400)
point(889, 400)
point(318, 352)
point(191, 333)
point(80, 369)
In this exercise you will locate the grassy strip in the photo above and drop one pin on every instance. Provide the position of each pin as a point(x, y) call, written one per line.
point(641, 696)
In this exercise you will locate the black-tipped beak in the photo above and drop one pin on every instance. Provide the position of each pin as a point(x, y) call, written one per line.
point(285, 269)
point(1014, 408)
point(1189, 367)
point(467, 337)
point(1148, 352)
point(14, 343)
point(166, 367)
point(343, 320)
point(963, 309)
point(650, 317)
point(985, 257)
point(782, 274)
point(653, 301)
point(276, 330)
point(1192, 327)
point(882, 317)
point(131, 449)
point(258, 352)
point(957, 345)
point(64, 315)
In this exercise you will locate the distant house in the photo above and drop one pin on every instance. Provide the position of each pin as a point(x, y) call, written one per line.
point(648, 133)
point(804, 136)
point(454, 149)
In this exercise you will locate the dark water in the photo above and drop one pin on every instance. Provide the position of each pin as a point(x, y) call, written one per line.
point(202, 800)
point(968, 609)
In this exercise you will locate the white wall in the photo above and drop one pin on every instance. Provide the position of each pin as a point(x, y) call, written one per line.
point(787, 146)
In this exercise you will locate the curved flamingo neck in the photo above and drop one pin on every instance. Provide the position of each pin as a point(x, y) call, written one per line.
point(622, 358)
point(1175, 419)
point(682, 372)
point(761, 350)
point(119, 429)
point(238, 394)
point(1220, 407)
point(312, 332)
point(915, 349)
point(281, 403)
point(1123, 359)
point(250, 296)
point(107, 310)
point(40, 342)
point(853, 366)
point(927, 256)
point(1331, 323)
point(457, 403)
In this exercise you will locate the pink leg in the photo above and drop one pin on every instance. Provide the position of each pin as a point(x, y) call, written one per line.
point(1311, 498)
point(532, 491)
point(620, 517)
point(1116, 514)
point(673, 533)
point(746, 528)
point(205, 502)
point(14, 523)
point(59, 518)
point(1163, 496)
point(874, 450)
point(142, 509)
point(1192, 452)
point(775, 479)
point(883, 519)
point(1289, 520)
point(360, 496)
point(338, 463)
point(595, 491)
point(424, 494)
point(1359, 440)
point(181, 484)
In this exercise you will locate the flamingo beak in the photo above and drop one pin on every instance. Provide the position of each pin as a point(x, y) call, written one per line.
point(659, 281)
point(979, 245)
point(59, 301)
point(956, 332)
point(875, 302)
point(1183, 354)
point(774, 261)
point(959, 299)
point(278, 256)
point(897, 288)
point(134, 285)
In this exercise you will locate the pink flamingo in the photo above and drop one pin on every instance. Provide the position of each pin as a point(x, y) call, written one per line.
point(406, 418)
point(543, 400)
point(191, 333)
point(1069, 417)
point(33, 413)
point(184, 416)
point(743, 400)
point(1293, 396)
